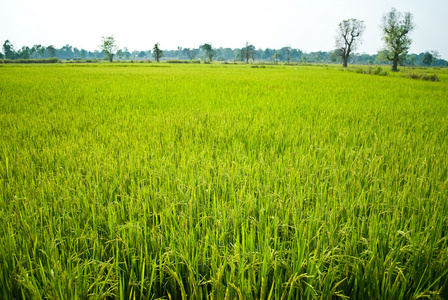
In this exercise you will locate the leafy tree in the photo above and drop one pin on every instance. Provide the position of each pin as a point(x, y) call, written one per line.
point(348, 34)
point(83, 53)
point(428, 58)
point(248, 52)
point(318, 56)
point(227, 53)
point(76, 52)
point(381, 57)
point(120, 53)
point(191, 53)
point(209, 52)
point(296, 54)
point(142, 54)
point(36, 50)
point(108, 47)
point(179, 51)
point(335, 55)
point(2, 55)
point(157, 52)
point(8, 50)
point(287, 52)
point(396, 28)
point(126, 52)
point(435, 54)
point(67, 51)
point(239, 55)
point(412, 60)
point(267, 54)
point(24, 53)
point(41, 52)
point(51, 51)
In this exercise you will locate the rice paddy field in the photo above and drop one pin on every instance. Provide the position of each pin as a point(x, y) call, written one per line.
point(163, 181)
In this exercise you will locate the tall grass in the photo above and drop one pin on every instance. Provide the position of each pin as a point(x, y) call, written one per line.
point(221, 182)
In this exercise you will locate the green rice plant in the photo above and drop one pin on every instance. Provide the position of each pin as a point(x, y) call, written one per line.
point(127, 181)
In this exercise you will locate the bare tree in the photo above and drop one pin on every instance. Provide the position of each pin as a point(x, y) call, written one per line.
point(348, 34)
point(396, 27)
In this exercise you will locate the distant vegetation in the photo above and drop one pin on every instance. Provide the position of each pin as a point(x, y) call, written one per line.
point(30, 61)
point(282, 55)
point(396, 28)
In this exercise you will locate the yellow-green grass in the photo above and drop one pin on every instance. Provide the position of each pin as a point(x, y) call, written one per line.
point(217, 181)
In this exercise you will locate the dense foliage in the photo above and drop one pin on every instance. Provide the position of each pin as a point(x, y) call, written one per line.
point(396, 28)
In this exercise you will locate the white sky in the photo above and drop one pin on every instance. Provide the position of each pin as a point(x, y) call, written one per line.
point(136, 24)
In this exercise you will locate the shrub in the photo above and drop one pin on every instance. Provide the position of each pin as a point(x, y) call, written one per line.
point(432, 77)
point(31, 61)
point(425, 77)
point(372, 71)
point(413, 75)
point(178, 61)
point(379, 71)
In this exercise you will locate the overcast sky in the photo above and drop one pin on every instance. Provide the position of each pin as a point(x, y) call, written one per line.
point(308, 25)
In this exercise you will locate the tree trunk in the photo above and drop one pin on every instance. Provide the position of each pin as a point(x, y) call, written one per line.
point(395, 64)
point(344, 62)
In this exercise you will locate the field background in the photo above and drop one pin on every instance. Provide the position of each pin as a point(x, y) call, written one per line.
point(145, 181)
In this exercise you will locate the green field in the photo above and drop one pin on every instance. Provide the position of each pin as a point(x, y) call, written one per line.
point(146, 181)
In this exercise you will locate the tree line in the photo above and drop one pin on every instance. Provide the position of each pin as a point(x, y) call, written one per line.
point(268, 55)
point(396, 27)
